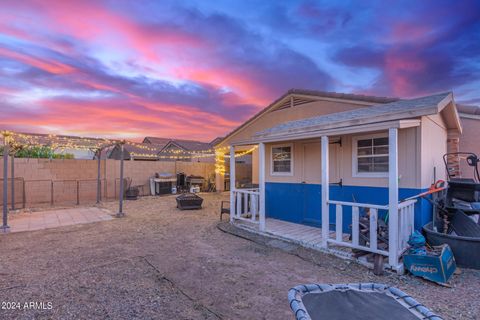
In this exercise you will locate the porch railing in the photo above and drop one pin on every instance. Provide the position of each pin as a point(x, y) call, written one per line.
point(370, 240)
point(247, 204)
point(406, 224)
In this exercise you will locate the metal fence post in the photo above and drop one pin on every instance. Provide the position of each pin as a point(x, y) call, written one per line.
point(24, 196)
point(51, 193)
point(78, 192)
point(5, 227)
point(121, 192)
point(13, 181)
point(99, 188)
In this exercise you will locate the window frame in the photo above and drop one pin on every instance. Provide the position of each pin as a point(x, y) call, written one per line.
point(290, 173)
point(355, 172)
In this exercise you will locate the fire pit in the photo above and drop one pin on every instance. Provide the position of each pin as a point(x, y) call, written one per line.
point(189, 201)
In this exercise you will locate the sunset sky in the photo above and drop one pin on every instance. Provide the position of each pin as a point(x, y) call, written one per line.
point(198, 69)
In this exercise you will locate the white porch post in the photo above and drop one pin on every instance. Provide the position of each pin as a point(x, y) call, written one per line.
point(261, 183)
point(393, 197)
point(232, 183)
point(325, 193)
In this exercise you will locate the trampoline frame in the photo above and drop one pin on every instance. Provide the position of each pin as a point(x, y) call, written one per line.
point(295, 295)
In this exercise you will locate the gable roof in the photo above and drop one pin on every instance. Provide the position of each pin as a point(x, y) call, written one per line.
point(313, 93)
point(156, 140)
point(396, 110)
point(216, 141)
point(344, 96)
point(138, 151)
point(187, 145)
point(468, 109)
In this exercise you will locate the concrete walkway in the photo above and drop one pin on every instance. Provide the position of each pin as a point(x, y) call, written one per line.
point(57, 218)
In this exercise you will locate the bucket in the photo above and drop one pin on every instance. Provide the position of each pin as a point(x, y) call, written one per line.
point(466, 250)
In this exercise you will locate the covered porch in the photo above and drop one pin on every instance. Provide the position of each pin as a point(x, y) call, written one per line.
point(345, 219)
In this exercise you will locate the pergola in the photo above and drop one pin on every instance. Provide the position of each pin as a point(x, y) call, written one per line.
point(13, 142)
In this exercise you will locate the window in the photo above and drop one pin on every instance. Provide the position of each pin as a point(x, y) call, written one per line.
point(371, 156)
point(282, 161)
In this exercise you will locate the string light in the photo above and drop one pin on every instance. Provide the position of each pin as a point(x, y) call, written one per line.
point(220, 158)
point(243, 153)
point(220, 163)
point(21, 140)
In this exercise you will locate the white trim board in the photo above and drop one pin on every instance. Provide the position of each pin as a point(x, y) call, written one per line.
point(400, 124)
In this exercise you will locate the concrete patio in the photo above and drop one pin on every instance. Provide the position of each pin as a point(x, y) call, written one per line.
point(57, 218)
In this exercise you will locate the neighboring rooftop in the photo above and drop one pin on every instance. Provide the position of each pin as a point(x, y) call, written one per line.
point(188, 145)
point(137, 151)
point(395, 110)
point(468, 109)
point(216, 141)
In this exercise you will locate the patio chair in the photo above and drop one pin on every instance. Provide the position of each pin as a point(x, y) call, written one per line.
point(223, 209)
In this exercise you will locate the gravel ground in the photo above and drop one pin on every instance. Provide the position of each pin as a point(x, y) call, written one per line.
point(162, 263)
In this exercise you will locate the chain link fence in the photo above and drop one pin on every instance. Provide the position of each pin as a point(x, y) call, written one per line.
point(38, 193)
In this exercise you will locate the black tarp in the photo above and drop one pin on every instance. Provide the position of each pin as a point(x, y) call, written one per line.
point(355, 305)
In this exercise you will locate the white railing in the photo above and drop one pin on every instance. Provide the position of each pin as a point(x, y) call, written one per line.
point(247, 204)
point(406, 224)
point(369, 241)
point(356, 242)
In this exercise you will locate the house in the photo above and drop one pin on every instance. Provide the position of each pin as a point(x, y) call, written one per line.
point(468, 141)
point(180, 149)
point(371, 152)
point(136, 151)
point(216, 141)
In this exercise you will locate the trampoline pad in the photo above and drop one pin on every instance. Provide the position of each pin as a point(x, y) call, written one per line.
point(353, 304)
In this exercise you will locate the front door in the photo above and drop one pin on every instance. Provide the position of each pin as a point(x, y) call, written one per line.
point(311, 179)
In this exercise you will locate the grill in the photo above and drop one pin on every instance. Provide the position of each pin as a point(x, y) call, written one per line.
point(195, 180)
point(189, 201)
point(162, 183)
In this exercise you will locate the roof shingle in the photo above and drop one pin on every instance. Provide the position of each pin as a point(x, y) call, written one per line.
point(364, 115)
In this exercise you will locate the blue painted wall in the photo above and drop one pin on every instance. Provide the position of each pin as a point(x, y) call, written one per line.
point(300, 203)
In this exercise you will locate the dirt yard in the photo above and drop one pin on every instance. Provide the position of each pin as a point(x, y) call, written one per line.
point(162, 263)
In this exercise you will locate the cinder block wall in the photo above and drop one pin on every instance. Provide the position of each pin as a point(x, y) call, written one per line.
point(75, 180)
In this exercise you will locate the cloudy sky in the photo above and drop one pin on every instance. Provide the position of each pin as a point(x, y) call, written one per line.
point(197, 69)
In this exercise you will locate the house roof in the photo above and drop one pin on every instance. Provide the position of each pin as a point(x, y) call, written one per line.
point(468, 109)
point(216, 141)
point(157, 140)
point(339, 95)
point(312, 93)
point(189, 145)
point(396, 110)
point(144, 151)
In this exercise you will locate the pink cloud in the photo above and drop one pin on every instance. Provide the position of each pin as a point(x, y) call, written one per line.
point(50, 66)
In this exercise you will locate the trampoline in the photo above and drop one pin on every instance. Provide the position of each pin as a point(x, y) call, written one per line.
point(360, 301)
